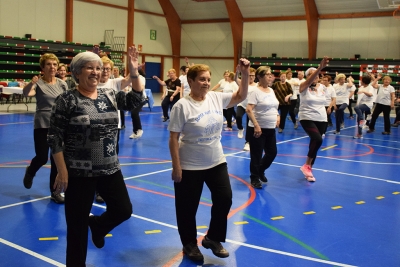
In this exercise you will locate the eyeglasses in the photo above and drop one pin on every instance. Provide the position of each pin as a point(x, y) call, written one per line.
point(107, 69)
point(91, 69)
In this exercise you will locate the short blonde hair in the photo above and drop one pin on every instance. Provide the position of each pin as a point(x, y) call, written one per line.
point(340, 75)
point(62, 65)
point(106, 60)
point(195, 69)
point(172, 70)
point(387, 77)
point(47, 56)
point(262, 70)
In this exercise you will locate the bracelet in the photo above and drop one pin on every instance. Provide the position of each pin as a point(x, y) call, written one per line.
point(134, 76)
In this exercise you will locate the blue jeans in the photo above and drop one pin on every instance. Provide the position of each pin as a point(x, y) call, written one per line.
point(340, 115)
point(360, 110)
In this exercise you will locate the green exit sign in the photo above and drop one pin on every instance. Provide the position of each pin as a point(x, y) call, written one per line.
point(153, 34)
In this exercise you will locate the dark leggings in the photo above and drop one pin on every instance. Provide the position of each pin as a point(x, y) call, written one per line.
point(240, 111)
point(340, 115)
point(187, 198)
point(292, 114)
point(136, 122)
point(167, 103)
point(284, 110)
point(42, 155)
point(386, 116)
point(314, 129)
point(228, 113)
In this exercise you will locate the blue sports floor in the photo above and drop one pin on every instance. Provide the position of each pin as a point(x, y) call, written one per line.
point(349, 217)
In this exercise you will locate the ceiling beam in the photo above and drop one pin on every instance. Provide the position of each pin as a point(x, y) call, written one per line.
point(131, 23)
point(236, 20)
point(357, 15)
point(69, 20)
point(174, 26)
point(312, 27)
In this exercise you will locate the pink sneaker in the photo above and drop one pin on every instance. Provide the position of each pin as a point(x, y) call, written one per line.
point(362, 123)
point(306, 170)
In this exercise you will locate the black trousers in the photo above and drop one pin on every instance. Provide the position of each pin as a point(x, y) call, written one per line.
point(265, 143)
point(397, 119)
point(168, 104)
point(292, 107)
point(122, 115)
point(42, 155)
point(328, 115)
point(187, 197)
point(228, 113)
point(136, 122)
point(386, 116)
point(239, 122)
point(284, 110)
point(339, 113)
point(78, 203)
point(314, 129)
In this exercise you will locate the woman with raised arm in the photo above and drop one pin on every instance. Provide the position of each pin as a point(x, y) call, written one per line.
point(45, 89)
point(312, 115)
point(83, 139)
point(198, 158)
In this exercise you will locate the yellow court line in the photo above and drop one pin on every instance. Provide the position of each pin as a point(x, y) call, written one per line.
point(309, 212)
point(380, 197)
point(48, 238)
point(360, 202)
point(328, 147)
point(396, 193)
point(277, 218)
point(108, 235)
point(202, 227)
point(336, 207)
point(152, 232)
point(243, 222)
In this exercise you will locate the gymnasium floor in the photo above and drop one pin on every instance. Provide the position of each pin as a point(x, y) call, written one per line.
point(349, 217)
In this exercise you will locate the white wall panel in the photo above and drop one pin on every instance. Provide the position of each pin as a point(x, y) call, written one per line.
point(45, 19)
point(143, 24)
point(285, 38)
point(369, 37)
point(91, 21)
point(207, 40)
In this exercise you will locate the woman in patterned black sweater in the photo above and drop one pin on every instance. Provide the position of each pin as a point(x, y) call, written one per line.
point(283, 92)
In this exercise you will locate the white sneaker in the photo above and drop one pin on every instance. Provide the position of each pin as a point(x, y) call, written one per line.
point(369, 117)
point(240, 133)
point(246, 147)
point(133, 136)
point(139, 133)
point(323, 135)
point(342, 125)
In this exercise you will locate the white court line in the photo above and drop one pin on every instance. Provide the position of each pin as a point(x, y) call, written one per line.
point(24, 202)
point(241, 243)
point(344, 173)
point(374, 139)
point(361, 161)
point(12, 123)
point(32, 253)
point(380, 146)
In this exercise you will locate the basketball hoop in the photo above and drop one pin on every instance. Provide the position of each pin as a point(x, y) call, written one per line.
point(396, 13)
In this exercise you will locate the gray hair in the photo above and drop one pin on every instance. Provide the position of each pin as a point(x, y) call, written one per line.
point(80, 60)
point(308, 71)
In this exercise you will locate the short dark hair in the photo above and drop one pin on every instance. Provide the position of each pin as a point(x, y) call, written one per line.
point(183, 68)
point(366, 79)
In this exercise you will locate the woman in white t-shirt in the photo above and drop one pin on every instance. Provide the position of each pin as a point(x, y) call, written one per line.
point(136, 121)
point(241, 110)
point(312, 115)
point(262, 110)
point(295, 99)
point(330, 97)
point(364, 103)
point(198, 158)
point(219, 87)
point(230, 87)
point(343, 94)
point(384, 103)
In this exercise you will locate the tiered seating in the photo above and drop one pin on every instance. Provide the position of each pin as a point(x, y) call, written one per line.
point(20, 56)
point(353, 67)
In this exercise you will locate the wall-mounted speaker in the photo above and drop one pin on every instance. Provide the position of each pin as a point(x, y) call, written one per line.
point(28, 35)
point(102, 43)
point(357, 56)
point(273, 54)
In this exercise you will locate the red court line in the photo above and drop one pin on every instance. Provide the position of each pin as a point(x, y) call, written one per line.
point(179, 256)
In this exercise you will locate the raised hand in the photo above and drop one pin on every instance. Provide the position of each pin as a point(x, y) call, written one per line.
point(324, 62)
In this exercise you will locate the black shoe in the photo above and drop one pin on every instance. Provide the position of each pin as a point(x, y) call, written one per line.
point(370, 131)
point(386, 133)
point(216, 247)
point(28, 179)
point(57, 198)
point(395, 125)
point(256, 184)
point(330, 124)
point(192, 251)
point(122, 127)
point(263, 179)
point(97, 240)
point(99, 199)
point(165, 119)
